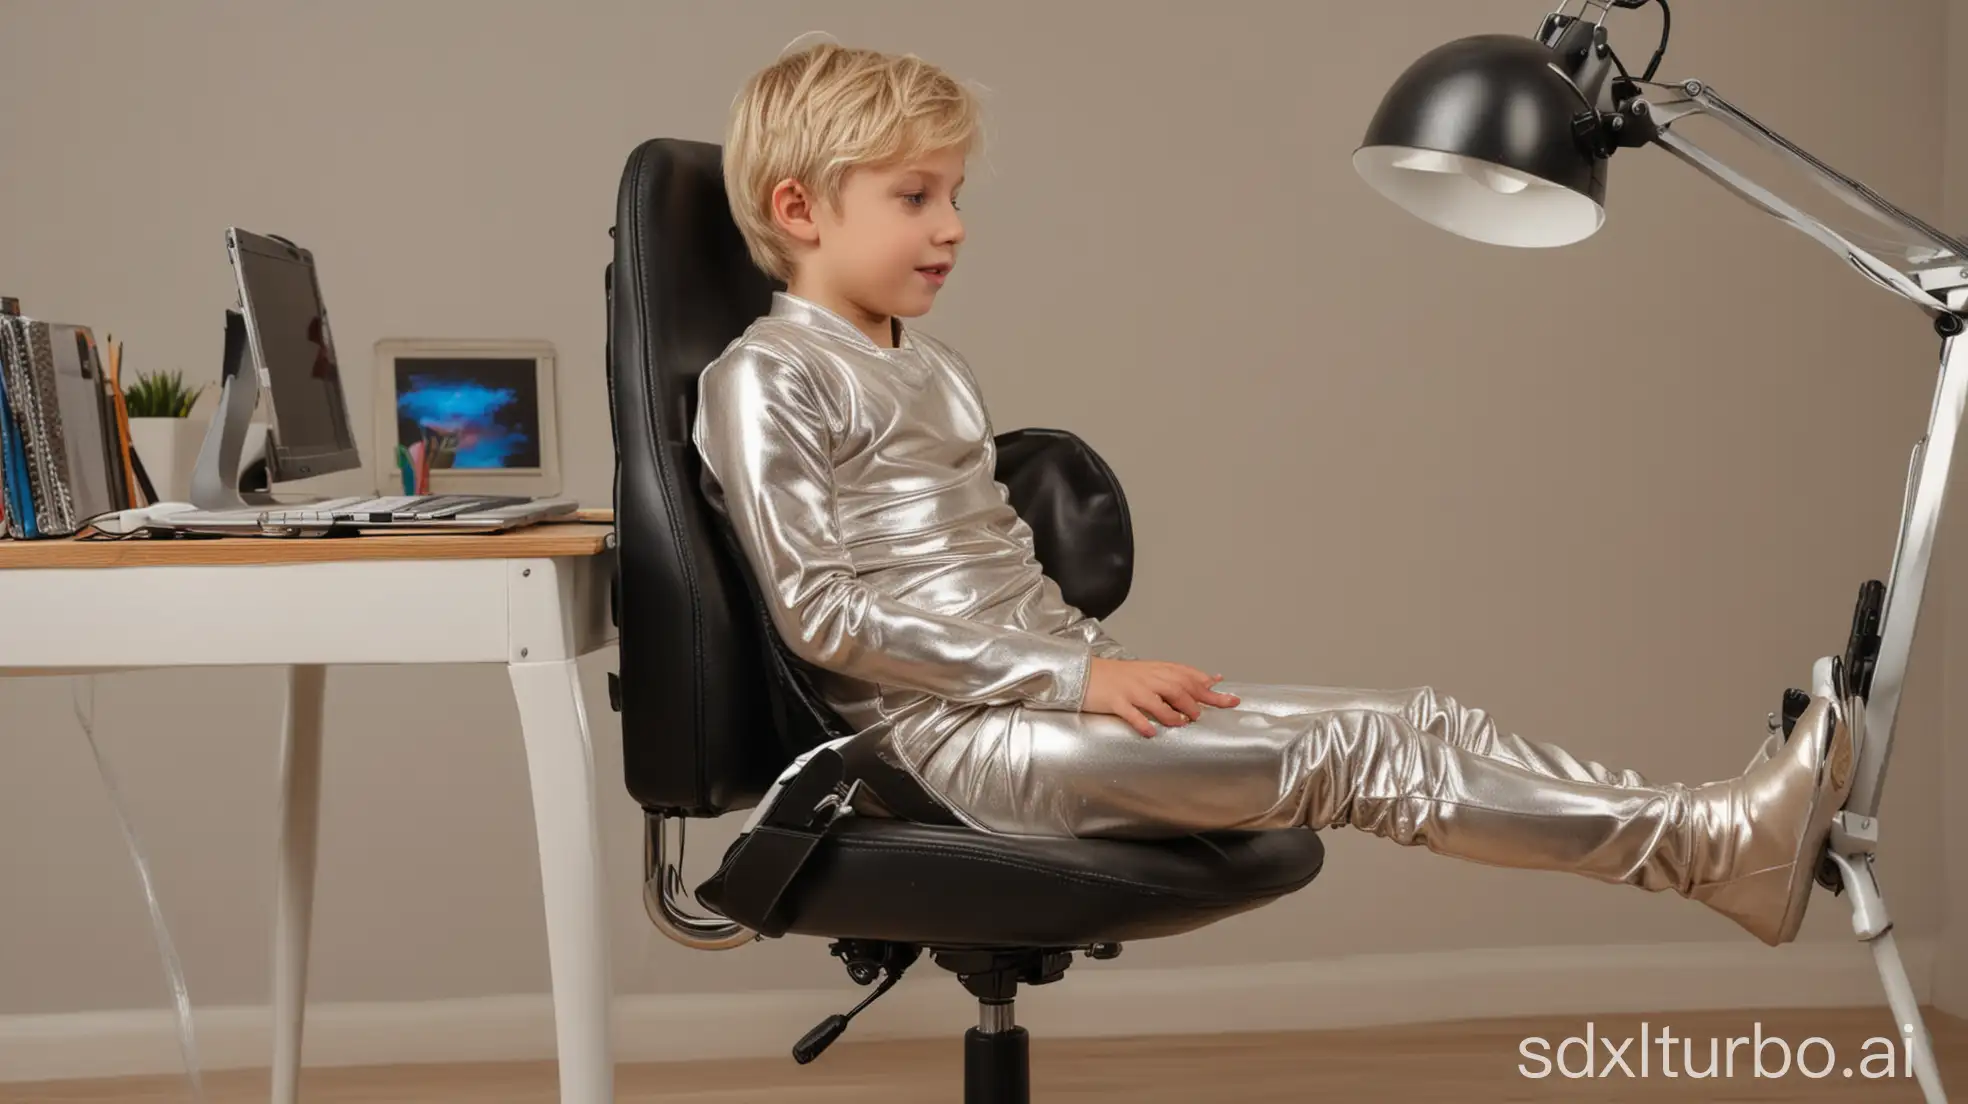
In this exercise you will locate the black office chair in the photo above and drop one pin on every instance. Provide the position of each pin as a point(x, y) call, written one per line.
point(714, 707)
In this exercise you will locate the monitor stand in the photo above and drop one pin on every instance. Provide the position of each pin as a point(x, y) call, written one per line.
point(215, 478)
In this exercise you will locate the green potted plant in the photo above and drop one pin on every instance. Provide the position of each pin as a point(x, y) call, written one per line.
point(163, 431)
point(160, 395)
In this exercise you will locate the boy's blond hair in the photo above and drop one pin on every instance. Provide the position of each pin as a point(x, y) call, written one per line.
point(815, 114)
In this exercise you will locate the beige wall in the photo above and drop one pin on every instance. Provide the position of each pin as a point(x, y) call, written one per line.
point(1621, 494)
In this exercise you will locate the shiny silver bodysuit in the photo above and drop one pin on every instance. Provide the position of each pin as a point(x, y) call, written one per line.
point(859, 481)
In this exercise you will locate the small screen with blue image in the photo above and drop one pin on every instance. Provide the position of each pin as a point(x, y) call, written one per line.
point(478, 412)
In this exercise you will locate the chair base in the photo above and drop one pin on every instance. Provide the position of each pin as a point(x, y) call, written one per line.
point(997, 1052)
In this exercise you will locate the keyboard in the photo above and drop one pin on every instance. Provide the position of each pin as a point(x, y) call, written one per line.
point(461, 512)
point(388, 509)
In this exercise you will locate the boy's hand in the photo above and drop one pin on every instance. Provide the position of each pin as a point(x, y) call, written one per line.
point(1137, 689)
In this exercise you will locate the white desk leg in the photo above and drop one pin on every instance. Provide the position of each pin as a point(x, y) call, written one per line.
point(300, 805)
point(560, 759)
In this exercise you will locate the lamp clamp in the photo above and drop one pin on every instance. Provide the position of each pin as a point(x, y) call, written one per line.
point(1612, 113)
point(1629, 124)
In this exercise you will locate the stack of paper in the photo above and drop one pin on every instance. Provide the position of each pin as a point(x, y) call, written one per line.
point(63, 453)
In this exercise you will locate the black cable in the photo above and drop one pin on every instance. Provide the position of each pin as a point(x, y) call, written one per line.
point(1667, 24)
point(1619, 65)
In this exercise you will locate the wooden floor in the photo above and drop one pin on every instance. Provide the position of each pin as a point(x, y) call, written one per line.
point(1436, 1063)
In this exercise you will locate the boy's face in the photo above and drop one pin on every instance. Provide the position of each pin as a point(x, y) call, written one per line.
point(892, 239)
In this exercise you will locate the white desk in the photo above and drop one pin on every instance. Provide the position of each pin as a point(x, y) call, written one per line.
point(535, 599)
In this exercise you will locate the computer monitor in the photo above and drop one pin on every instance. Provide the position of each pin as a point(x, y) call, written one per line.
point(309, 429)
point(278, 342)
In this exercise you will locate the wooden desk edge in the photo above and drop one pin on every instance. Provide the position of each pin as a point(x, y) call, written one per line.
point(543, 541)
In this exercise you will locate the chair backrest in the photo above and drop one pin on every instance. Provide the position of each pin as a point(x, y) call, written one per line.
point(713, 705)
point(698, 735)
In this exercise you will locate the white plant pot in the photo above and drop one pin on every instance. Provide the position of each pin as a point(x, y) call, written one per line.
point(169, 448)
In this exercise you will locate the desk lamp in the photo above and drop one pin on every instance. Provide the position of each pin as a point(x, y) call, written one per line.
point(1506, 139)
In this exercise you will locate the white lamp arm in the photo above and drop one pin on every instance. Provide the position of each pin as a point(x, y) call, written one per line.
point(1667, 104)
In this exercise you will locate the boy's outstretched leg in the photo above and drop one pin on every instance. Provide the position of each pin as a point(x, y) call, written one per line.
point(1441, 715)
point(1746, 847)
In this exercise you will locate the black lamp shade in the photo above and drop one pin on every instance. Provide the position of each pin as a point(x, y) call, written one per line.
point(1477, 138)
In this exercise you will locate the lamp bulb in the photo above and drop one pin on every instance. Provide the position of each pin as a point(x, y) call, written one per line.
point(1496, 178)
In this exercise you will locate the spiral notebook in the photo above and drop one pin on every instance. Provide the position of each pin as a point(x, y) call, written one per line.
point(62, 451)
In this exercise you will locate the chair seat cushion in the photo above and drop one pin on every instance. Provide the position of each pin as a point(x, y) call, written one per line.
point(874, 878)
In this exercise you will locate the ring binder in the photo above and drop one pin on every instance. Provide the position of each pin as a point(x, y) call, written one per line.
point(63, 449)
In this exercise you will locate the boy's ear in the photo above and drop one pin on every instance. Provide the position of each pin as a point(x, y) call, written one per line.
point(795, 210)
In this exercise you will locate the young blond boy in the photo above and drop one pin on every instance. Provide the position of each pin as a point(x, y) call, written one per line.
point(854, 459)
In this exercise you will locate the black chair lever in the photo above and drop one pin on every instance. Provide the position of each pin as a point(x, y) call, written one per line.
point(816, 1041)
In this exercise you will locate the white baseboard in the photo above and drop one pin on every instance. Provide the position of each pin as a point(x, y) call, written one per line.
point(1094, 999)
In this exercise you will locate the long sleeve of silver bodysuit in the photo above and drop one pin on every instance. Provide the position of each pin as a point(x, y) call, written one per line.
point(764, 433)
